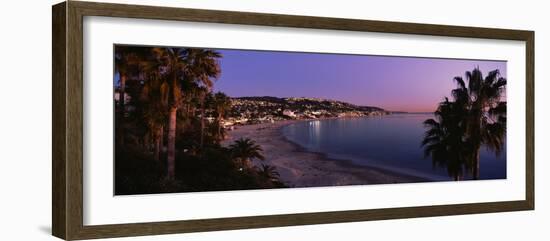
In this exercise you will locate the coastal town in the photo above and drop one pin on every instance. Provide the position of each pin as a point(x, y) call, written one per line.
point(180, 125)
point(266, 109)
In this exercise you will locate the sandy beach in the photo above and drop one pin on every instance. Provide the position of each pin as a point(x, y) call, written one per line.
point(301, 168)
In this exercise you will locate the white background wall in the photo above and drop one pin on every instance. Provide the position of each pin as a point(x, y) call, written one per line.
point(25, 120)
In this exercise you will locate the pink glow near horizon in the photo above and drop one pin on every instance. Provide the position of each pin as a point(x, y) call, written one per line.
point(393, 83)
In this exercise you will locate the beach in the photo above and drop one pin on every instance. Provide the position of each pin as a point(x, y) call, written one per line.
point(301, 168)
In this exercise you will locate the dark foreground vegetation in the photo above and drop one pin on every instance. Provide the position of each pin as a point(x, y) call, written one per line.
point(138, 173)
point(169, 124)
point(474, 117)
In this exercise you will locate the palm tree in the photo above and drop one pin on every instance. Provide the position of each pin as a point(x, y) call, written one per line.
point(244, 149)
point(486, 119)
point(268, 172)
point(475, 117)
point(173, 63)
point(129, 63)
point(154, 112)
point(182, 65)
point(443, 139)
point(222, 104)
point(122, 65)
point(202, 68)
point(202, 94)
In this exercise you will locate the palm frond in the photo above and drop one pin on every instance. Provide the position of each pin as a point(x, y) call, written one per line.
point(460, 82)
point(476, 116)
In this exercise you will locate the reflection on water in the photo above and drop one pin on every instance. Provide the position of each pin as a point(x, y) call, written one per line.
point(315, 133)
point(392, 142)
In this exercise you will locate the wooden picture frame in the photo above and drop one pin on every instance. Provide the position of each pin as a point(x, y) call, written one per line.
point(67, 76)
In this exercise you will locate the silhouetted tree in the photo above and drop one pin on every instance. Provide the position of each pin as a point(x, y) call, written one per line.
point(245, 149)
point(222, 105)
point(268, 172)
point(183, 65)
point(475, 117)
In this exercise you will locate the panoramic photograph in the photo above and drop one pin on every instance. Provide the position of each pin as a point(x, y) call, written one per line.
point(190, 119)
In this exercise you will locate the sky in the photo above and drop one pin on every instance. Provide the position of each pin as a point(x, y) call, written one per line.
point(392, 83)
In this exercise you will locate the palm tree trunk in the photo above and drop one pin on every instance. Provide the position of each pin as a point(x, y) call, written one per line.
point(475, 169)
point(202, 123)
point(121, 100)
point(247, 163)
point(158, 144)
point(146, 142)
point(475, 135)
point(161, 144)
point(171, 155)
point(156, 152)
point(220, 126)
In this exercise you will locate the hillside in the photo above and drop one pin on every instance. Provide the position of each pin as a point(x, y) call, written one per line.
point(274, 108)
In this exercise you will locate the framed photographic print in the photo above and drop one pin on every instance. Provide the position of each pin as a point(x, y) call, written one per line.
point(171, 120)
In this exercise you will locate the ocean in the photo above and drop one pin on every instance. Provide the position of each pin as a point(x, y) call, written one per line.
point(391, 142)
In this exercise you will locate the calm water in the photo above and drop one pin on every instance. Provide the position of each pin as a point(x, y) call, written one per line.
point(391, 142)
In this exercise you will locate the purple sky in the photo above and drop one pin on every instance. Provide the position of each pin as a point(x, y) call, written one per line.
point(392, 83)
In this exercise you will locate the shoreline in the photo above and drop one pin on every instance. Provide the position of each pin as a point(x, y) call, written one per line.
point(299, 167)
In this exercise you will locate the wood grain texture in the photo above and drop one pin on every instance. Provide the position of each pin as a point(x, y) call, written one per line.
point(279, 20)
point(74, 134)
point(67, 197)
point(530, 120)
point(59, 127)
point(121, 230)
